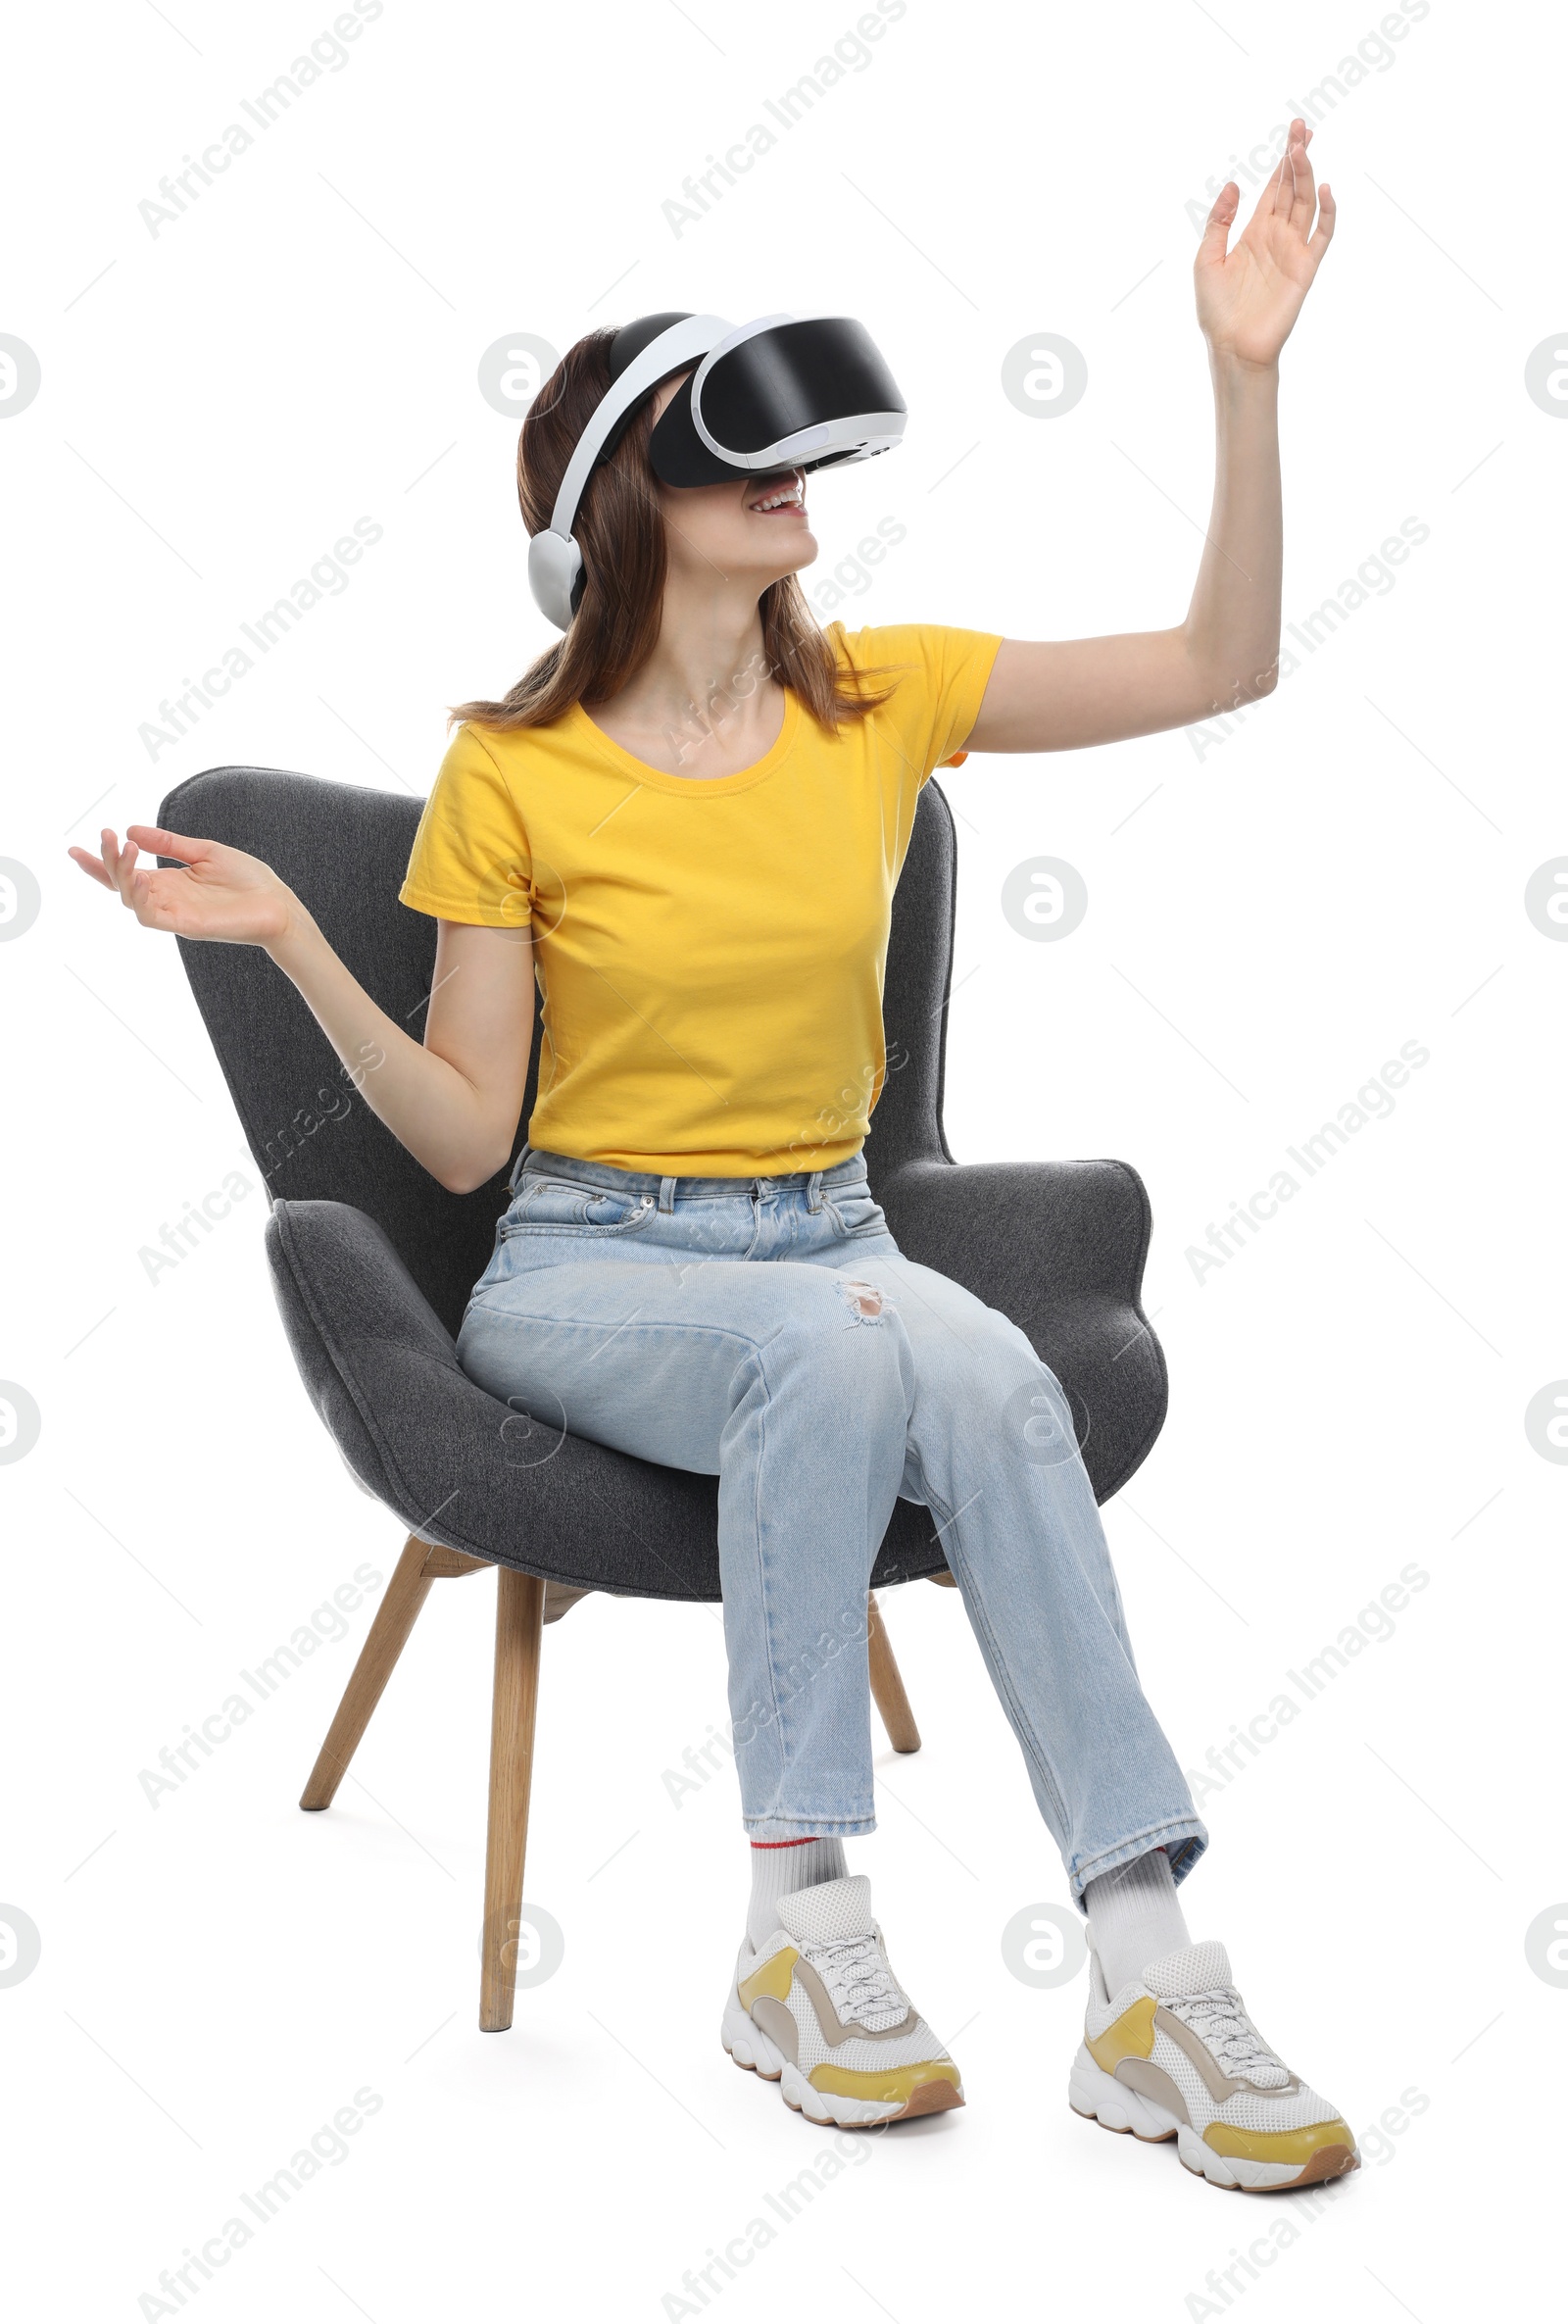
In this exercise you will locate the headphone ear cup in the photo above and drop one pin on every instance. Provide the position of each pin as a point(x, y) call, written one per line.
point(555, 576)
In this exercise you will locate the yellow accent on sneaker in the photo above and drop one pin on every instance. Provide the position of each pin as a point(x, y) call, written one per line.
point(894, 2084)
point(1280, 2146)
point(1132, 2035)
point(773, 1978)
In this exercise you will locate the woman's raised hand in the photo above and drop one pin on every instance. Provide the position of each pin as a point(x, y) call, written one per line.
point(219, 895)
point(1249, 297)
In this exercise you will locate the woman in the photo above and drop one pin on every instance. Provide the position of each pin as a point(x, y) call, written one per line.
point(695, 806)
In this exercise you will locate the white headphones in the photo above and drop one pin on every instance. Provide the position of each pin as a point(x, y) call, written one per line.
point(555, 561)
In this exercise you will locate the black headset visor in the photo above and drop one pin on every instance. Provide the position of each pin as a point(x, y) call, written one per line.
point(794, 395)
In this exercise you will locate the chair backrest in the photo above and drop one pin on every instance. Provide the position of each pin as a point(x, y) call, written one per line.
point(344, 850)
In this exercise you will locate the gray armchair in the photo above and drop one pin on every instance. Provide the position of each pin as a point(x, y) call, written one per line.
point(372, 1264)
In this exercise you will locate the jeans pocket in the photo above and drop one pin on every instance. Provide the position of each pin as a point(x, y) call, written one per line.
point(856, 1209)
point(563, 1206)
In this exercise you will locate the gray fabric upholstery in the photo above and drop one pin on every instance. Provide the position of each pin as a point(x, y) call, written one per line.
point(373, 1262)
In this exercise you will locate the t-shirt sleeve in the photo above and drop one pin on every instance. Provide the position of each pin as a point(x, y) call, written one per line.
point(938, 679)
point(471, 861)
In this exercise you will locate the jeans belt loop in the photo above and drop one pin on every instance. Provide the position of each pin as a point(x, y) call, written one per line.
point(814, 1192)
point(517, 1167)
point(667, 1194)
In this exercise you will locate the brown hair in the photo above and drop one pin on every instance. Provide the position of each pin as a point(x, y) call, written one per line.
point(621, 530)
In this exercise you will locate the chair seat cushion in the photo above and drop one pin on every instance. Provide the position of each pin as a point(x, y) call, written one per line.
point(459, 1468)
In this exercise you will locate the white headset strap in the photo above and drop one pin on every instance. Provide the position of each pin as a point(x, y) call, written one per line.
point(682, 343)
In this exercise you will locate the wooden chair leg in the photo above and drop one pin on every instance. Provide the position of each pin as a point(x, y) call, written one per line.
point(519, 1622)
point(395, 1618)
point(887, 1685)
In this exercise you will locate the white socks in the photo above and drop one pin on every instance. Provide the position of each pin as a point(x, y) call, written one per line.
point(1132, 1911)
point(1135, 1917)
point(780, 1867)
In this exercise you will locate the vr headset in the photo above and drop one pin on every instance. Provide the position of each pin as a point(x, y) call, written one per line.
point(770, 395)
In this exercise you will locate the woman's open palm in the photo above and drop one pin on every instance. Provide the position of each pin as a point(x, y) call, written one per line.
point(219, 895)
point(1249, 297)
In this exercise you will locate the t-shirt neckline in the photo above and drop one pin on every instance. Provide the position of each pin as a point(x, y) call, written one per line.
point(686, 785)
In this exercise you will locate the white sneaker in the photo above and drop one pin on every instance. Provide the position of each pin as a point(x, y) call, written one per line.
point(818, 2010)
point(1175, 2056)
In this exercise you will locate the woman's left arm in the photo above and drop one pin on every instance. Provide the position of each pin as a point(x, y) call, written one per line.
point(1062, 695)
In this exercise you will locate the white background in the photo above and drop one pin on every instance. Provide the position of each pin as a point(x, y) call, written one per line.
point(1270, 917)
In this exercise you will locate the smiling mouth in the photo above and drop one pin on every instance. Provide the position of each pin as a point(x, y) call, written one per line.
point(777, 494)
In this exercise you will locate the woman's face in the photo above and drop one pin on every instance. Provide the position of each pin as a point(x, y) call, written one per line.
point(753, 530)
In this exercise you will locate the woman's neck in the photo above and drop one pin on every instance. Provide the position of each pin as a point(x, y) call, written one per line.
point(703, 703)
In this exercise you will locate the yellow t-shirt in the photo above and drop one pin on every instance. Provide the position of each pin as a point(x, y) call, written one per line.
point(710, 951)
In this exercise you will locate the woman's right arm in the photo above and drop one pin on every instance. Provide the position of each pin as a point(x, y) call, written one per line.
point(453, 1102)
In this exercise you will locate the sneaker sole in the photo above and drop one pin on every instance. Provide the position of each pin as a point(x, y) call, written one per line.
point(749, 2047)
point(1099, 2098)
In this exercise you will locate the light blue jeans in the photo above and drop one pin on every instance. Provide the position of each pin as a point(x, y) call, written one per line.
point(771, 1332)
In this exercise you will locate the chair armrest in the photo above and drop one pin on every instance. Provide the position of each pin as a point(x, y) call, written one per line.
point(1059, 1247)
point(1069, 1229)
point(454, 1462)
point(341, 1291)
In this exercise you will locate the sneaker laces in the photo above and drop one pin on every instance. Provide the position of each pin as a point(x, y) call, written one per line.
point(860, 1982)
point(1222, 2025)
